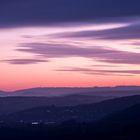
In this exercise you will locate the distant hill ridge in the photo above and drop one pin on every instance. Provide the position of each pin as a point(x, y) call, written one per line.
point(61, 91)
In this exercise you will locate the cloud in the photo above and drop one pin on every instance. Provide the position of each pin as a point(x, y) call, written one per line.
point(130, 31)
point(24, 61)
point(96, 53)
point(105, 65)
point(102, 72)
point(15, 13)
point(136, 44)
point(62, 50)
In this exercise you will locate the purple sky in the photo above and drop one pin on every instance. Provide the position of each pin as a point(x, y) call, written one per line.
point(63, 43)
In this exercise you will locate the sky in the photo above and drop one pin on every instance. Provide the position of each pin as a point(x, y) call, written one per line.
point(69, 43)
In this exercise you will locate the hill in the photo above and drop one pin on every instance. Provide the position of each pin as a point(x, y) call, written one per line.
point(117, 91)
point(80, 113)
point(15, 104)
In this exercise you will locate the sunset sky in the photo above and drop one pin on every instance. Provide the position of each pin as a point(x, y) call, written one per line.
point(69, 43)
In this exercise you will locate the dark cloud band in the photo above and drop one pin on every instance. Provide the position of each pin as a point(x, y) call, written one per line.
point(24, 61)
point(130, 31)
point(96, 53)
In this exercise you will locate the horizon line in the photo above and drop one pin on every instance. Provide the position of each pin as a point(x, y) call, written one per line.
point(20, 89)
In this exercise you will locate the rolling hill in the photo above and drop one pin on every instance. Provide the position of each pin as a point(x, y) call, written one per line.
point(15, 104)
point(80, 113)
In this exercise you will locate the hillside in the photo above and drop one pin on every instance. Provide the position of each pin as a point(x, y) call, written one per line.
point(15, 104)
point(80, 113)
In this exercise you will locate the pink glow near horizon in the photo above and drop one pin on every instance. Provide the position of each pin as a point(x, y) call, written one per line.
point(38, 57)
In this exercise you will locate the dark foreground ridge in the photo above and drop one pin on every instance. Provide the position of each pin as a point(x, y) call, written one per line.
point(114, 119)
point(81, 113)
point(122, 125)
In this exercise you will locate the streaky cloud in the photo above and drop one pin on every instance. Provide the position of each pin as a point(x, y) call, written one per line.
point(101, 72)
point(130, 31)
point(96, 53)
point(24, 61)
